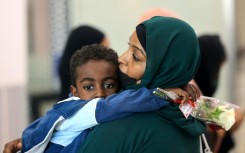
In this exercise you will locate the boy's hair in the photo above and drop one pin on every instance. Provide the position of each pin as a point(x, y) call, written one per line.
point(91, 52)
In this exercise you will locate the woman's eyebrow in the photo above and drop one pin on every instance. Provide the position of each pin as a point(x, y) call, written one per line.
point(142, 51)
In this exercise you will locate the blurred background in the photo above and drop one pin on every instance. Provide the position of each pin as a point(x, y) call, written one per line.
point(33, 35)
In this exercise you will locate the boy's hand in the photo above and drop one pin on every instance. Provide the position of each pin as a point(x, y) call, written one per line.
point(184, 96)
point(193, 91)
point(13, 146)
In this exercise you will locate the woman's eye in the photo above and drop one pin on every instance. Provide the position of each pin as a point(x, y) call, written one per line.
point(88, 87)
point(109, 85)
point(135, 57)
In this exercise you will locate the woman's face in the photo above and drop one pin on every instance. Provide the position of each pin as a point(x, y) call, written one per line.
point(133, 61)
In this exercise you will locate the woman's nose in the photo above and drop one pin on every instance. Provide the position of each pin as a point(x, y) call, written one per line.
point(123, 59)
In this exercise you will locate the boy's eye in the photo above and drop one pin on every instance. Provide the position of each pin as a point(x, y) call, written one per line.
point(88, 87)
point(108, 85)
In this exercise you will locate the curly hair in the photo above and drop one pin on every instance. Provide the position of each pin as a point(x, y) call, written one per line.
point(91, 52)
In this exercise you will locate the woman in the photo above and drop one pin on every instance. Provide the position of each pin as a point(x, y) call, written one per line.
point(163, 52)
point(80, 36)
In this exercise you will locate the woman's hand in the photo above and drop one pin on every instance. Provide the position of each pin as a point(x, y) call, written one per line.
point(13, 146)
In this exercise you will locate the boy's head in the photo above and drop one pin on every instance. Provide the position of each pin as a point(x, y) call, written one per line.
point(94, 72)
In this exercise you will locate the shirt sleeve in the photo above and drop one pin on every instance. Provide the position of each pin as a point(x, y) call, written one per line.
point(113, 107)
point(83, 119)
point(126, 103)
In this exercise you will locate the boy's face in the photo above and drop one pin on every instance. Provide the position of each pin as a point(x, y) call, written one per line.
point(95, 79)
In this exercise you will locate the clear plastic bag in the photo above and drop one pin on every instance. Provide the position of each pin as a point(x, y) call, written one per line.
point(208, 109)
point(215, 111)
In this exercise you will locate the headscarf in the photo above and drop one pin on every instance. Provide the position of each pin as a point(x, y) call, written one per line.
point(173, 57)
point(172, 52)
point(213, 55)
point(80, 36)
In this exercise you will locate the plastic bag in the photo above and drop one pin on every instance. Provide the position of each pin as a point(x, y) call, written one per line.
point(207, 109)
point(215, 111)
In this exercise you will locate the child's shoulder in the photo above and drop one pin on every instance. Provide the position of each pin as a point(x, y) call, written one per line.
point(69, 105)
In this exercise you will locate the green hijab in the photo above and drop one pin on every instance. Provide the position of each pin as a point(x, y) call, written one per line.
point(172, 52)
point(173, 57)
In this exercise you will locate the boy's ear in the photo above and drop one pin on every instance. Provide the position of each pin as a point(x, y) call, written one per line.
point(73, 91)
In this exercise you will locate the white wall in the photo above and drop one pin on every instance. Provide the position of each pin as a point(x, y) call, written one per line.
point(13, 70)
point(118, 19)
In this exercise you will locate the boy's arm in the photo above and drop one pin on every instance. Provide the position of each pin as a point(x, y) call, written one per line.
point(117, 106)
point(101, 110)
point(126, 103)
point(37, 135)
point(113, 107)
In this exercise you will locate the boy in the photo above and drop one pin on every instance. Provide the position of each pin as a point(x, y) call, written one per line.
point(94, 76)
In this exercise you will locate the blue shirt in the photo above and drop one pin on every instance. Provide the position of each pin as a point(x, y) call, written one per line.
point(66, 125)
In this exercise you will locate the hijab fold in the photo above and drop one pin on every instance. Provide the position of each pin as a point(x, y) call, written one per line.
point(172, 52)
